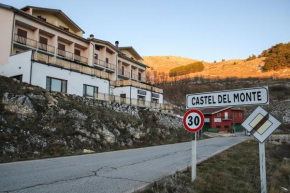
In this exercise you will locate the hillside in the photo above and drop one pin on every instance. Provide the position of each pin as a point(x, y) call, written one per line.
point(35, 123)
point(239, 68)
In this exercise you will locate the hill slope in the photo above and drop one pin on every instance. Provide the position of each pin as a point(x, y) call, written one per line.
point(231, 68)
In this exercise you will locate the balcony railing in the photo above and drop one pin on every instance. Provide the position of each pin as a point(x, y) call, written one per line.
point(136, 84)
point(128, 101)
point(69, 65)
point(105, 64)
point(65, 54)
point(124, 73)
point(25, 41)
point(81, 59)
point(46, 48)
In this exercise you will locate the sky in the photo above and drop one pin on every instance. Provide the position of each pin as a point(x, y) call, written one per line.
point(199, 29)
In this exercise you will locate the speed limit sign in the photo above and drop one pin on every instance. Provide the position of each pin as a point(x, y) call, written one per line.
point(193, 120)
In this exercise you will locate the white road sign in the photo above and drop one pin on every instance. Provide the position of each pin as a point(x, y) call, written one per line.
point(249, 96)
point(261, 124)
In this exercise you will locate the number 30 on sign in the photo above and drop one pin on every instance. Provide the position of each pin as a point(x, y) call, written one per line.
point(193, 120)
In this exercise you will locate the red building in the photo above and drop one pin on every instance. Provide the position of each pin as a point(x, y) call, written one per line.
point(223, 119)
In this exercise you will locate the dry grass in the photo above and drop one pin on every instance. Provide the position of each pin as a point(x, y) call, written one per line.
point(235, 170)
point(230, 68)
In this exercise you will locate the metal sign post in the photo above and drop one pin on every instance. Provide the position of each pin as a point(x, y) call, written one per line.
point(193, 121)
point(193, 158)
point(261, 125)
point(263, 167)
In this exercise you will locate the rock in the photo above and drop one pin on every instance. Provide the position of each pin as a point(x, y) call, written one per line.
point(3, 120)
point(11, 149)
point(62, 112)
point(36, 153)
point(129, 142)
point(83, 131)
point(88, 151)
point(38, 97)
point(76, 114)
point(108, 136)
point(19, 104)
point(117, 132)
point(51, 101)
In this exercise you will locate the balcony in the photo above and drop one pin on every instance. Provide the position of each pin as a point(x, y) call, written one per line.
point(124, 73)
point(138, 78)
point(226, 118)
point(128, 101)
point(46, 48)
point(25, 41)
point(136, 84)
point(65, 54)
point(81, 59)
point(64, 64)
point(108, 66)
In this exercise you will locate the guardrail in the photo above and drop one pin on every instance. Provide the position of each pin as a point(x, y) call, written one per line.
point(46, 48)
point(105, 64)
point(128, 101)
point(65, 54)
point(136, 84)
point(69, 65)
point(25, 41)
point(81, 59)
point(124, 73)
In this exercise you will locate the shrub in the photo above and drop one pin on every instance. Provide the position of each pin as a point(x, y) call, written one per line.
point(186, 69)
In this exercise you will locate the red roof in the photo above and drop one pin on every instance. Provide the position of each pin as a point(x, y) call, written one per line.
point(211, 111)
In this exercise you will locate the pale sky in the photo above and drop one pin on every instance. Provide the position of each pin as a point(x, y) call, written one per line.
point(204, 30)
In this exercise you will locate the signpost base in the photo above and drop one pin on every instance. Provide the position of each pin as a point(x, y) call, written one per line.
point(263, 167)
point(193, 156)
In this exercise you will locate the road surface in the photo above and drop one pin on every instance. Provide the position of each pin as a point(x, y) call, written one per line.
point(118, 171)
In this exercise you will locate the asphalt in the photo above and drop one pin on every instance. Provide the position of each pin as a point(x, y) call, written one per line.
point(118, 171)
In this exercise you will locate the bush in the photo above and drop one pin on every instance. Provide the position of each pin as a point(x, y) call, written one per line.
point(186, 69)
point(277, 57)
point(253, 57)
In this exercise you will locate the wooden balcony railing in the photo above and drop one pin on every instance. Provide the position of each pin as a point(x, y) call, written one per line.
point(124, 73)
point(128, 101)
point(81, 59)
point(46, 48)
point(136, 84)
point(25, 41)
point(69, 65)
point(105, 64)
point(65, 54)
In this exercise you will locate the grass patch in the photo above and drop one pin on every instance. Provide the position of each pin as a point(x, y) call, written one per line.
point(235, 170)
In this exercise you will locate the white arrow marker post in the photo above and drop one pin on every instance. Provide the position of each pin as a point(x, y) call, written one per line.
point(263, 167)
point(193, 158)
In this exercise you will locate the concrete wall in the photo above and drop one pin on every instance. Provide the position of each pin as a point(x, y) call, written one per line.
point(18, 65)
point(6, 21)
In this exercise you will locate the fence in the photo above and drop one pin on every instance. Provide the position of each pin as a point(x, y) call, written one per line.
point(128, 101)
point(136, 84)
point(69, 65)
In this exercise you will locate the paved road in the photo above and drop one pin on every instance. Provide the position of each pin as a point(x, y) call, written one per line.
point(119, 171)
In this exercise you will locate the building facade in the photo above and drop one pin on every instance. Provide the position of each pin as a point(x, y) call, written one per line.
point(44, 47)
point(223, 118)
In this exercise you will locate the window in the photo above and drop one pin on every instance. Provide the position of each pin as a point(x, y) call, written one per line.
point(96, 56)
point(107, 60)
point(61, 46)
point(43, 43)
point(97, 47)
point(22, 33)
point(42, 18)
point(241, 115)
point(154, 100)
point(56, 85)
point(218, 127)
point(77, 52)
point(139, 76)
point(90, 91)
point(141, 98)
point(64, 28)
point(219, 114)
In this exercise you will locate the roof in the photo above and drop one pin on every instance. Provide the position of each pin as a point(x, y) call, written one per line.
point(54, 11)
point(132, 50)
point(211, 111)
point(130, 59)
point(104, 42)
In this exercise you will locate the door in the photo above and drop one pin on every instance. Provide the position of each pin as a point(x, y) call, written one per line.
point(22, 36)
point(139, 76)
point(123, 70)
point(61, 49)
point(123, 98)
point(43, 43)
point(77, 55)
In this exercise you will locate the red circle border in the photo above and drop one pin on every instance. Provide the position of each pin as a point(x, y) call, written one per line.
point(201, 124)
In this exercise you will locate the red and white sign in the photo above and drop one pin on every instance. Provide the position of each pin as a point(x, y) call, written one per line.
point(193, 120)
